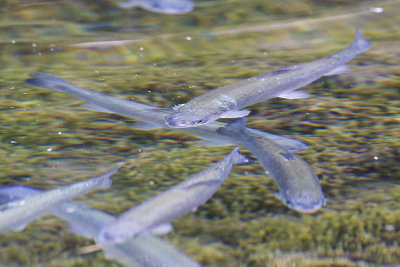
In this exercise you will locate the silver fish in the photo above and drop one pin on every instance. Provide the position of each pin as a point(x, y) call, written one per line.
point(147, 250)
point(157, 212)
point(226, 101)
point(161, 6)
point(299, 186)
point(33, 207)
point(151, 116)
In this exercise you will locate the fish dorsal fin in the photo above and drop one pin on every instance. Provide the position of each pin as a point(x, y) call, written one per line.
point(177, 106)
point(130, 3)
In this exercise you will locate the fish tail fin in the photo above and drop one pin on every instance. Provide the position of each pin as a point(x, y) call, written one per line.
point(238, 158)
point(128, 4)
point(234, 128)
point(236, 125)
point(361, 43)
point(48, 80)
point(106, 180)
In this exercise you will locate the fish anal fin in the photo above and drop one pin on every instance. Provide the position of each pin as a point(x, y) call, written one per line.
point(215, 143)
point(339, 70)
point(95, 107)
point(235, 114)
point(161, 229)
point(143, 126)
point(294, 95)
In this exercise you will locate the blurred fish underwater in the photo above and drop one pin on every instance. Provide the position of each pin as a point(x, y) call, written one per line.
point(347, 132)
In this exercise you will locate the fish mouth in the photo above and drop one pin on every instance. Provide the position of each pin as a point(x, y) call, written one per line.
point(306, 207)
point(176, 121)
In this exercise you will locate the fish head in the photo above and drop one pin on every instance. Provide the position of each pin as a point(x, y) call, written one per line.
point(184, 117)
point(169, 6)
point(306, 202)
point(118, 232)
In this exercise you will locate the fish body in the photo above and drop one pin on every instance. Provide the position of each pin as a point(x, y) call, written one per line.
point(152, 116)
point(161, 6)
point(299, 186)
point(145, 250)
point(226, 101)
point(33, 207)
point(180, 199)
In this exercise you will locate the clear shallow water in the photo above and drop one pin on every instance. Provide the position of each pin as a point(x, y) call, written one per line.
point(350, 124)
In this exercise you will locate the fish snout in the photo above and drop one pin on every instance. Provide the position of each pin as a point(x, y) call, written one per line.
point(106, 237)
point(175, 121)
point(307, 207)
point(170, 121)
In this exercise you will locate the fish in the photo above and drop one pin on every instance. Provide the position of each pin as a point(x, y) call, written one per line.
point(299, 186)
point(147, 250)
point(35, 206)
point(227, 101)
point(155, 214)
point(150, 117)
point(161, 6)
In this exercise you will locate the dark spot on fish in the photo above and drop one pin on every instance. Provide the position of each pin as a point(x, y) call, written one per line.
point(276, 72)
point(61, 87)
point(200, 121)
point(288, 155)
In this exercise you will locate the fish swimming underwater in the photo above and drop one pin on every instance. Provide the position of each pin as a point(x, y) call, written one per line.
point(150, 116)
point(161, 6)
point(226, 101)
point(17, 217)
point(299, 186)
point(156, 213)
point(146, 250)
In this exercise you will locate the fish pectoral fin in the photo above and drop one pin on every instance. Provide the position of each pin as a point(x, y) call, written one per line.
point(235, 114)
point(19, 227)
point(95, 107)
point(294, 95)
point(161, 229)
point(278, 195)
point(339, 70)
point(143, 126)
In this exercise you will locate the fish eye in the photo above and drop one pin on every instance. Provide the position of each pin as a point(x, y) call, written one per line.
point(199, 121)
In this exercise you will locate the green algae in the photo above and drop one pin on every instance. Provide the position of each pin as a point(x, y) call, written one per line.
point(350, 124)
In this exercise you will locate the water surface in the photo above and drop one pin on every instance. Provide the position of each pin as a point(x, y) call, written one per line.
point(351, 125)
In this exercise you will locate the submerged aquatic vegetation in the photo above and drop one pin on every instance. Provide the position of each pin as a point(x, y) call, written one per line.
point(350, 125)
